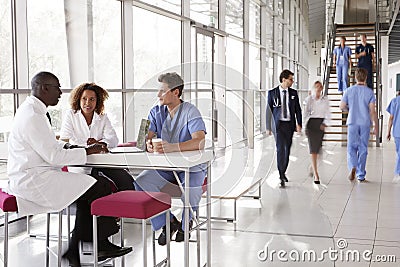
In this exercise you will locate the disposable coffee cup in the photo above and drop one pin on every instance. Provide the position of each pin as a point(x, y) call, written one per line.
point(156, 142)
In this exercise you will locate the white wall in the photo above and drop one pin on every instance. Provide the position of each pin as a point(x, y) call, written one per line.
point(314, 63)
point(393, 69)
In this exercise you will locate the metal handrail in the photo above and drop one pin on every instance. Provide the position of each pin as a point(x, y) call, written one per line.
point(329, 50)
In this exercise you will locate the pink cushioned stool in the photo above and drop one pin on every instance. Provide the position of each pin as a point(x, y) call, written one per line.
point(8, 203)
point(132, 204)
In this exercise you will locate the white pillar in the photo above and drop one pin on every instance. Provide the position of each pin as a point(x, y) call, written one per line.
point(387, 94)
point(20, 43)
point(79, 42)
point(130, 121)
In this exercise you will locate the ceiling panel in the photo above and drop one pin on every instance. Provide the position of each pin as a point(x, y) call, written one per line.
point(316, 14)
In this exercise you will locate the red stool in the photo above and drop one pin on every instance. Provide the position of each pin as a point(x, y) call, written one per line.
point(132, 204)
point(8, 203)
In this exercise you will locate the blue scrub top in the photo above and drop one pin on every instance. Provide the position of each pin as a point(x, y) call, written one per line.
point(394, 109)
point(365, 61)
point(345, 52)
point(189, 122)
point(358, 98)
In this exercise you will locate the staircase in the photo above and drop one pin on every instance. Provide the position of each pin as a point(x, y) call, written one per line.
point(337, 130)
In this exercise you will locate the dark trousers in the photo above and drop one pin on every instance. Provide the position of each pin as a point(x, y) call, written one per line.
point(283, 139)
point(107, 226)
point(369, 76)
point(120, 177)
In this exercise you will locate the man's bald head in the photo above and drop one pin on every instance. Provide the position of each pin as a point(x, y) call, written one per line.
point(42, 78)
point(46, 87)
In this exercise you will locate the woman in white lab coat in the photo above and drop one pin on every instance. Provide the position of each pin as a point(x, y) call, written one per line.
point(86, 124)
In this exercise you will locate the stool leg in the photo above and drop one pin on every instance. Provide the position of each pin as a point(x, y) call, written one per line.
point(68, 225)
point(5, 239)
point(47, 238)
point(167, 223)
point(95, 243)
point(198, 237)
point(144, 238)
point(59, 247)
point(122, 240)
point(154, 247)
point(28, 227)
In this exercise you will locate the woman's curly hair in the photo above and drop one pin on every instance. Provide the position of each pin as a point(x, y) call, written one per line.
point(101, 96)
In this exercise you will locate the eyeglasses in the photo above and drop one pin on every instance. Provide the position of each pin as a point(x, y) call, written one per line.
point(49, 84)
point(53, 85)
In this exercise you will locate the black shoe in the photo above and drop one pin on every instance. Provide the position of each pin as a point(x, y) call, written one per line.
point(174, 226)
point(109, 250)
point(282, 183)
point(72, 255)
point(285, 179)
point(317, 182)
point(180, 235)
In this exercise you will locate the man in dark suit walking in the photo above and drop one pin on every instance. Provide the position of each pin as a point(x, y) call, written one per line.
point(284, 109)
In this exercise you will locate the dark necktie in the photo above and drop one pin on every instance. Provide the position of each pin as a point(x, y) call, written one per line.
point(48, 116)
point(284, 105)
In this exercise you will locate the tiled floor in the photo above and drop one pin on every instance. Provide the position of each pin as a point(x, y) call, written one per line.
point(302, 218)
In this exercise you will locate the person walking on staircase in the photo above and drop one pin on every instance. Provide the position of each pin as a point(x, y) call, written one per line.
point(366, 58)
point(360, 101)
point(342, 62)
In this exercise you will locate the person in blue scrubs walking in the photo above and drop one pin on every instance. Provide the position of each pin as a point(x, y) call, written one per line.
point(366, 58)
point(360, 101)
point(180, 125)
point(394, 111)
point(342, 61)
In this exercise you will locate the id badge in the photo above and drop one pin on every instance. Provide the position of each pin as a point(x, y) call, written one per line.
point(341, 60)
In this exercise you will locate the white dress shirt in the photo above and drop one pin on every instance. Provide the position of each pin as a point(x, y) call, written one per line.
point(34, 163)
point(75, 128)
point(317, 108)
point(287, 103)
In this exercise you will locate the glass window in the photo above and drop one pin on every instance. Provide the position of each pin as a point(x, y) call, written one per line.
point(171, 5)
point(114, 112)
point(254, 68)
point(57, 112)
point(6, 115)
point(6, 67)
point(234, 64)
point(234, 99)
point(156, 46)
point(257, 112)
point(270, 4)
point(280, 38)
point(234, 117)
point(107, 43)
point(142, 103)
point(270, 31)
point(47, 42)
point(280, 8)
point(270, 71)
point(255, 22)
point(234, 17)
point(205, 12)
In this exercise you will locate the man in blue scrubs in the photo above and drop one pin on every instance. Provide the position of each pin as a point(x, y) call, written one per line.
point(180, 125)
point(394, 111)
point(366, 58)
point(359, 100)
point(342, 61)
